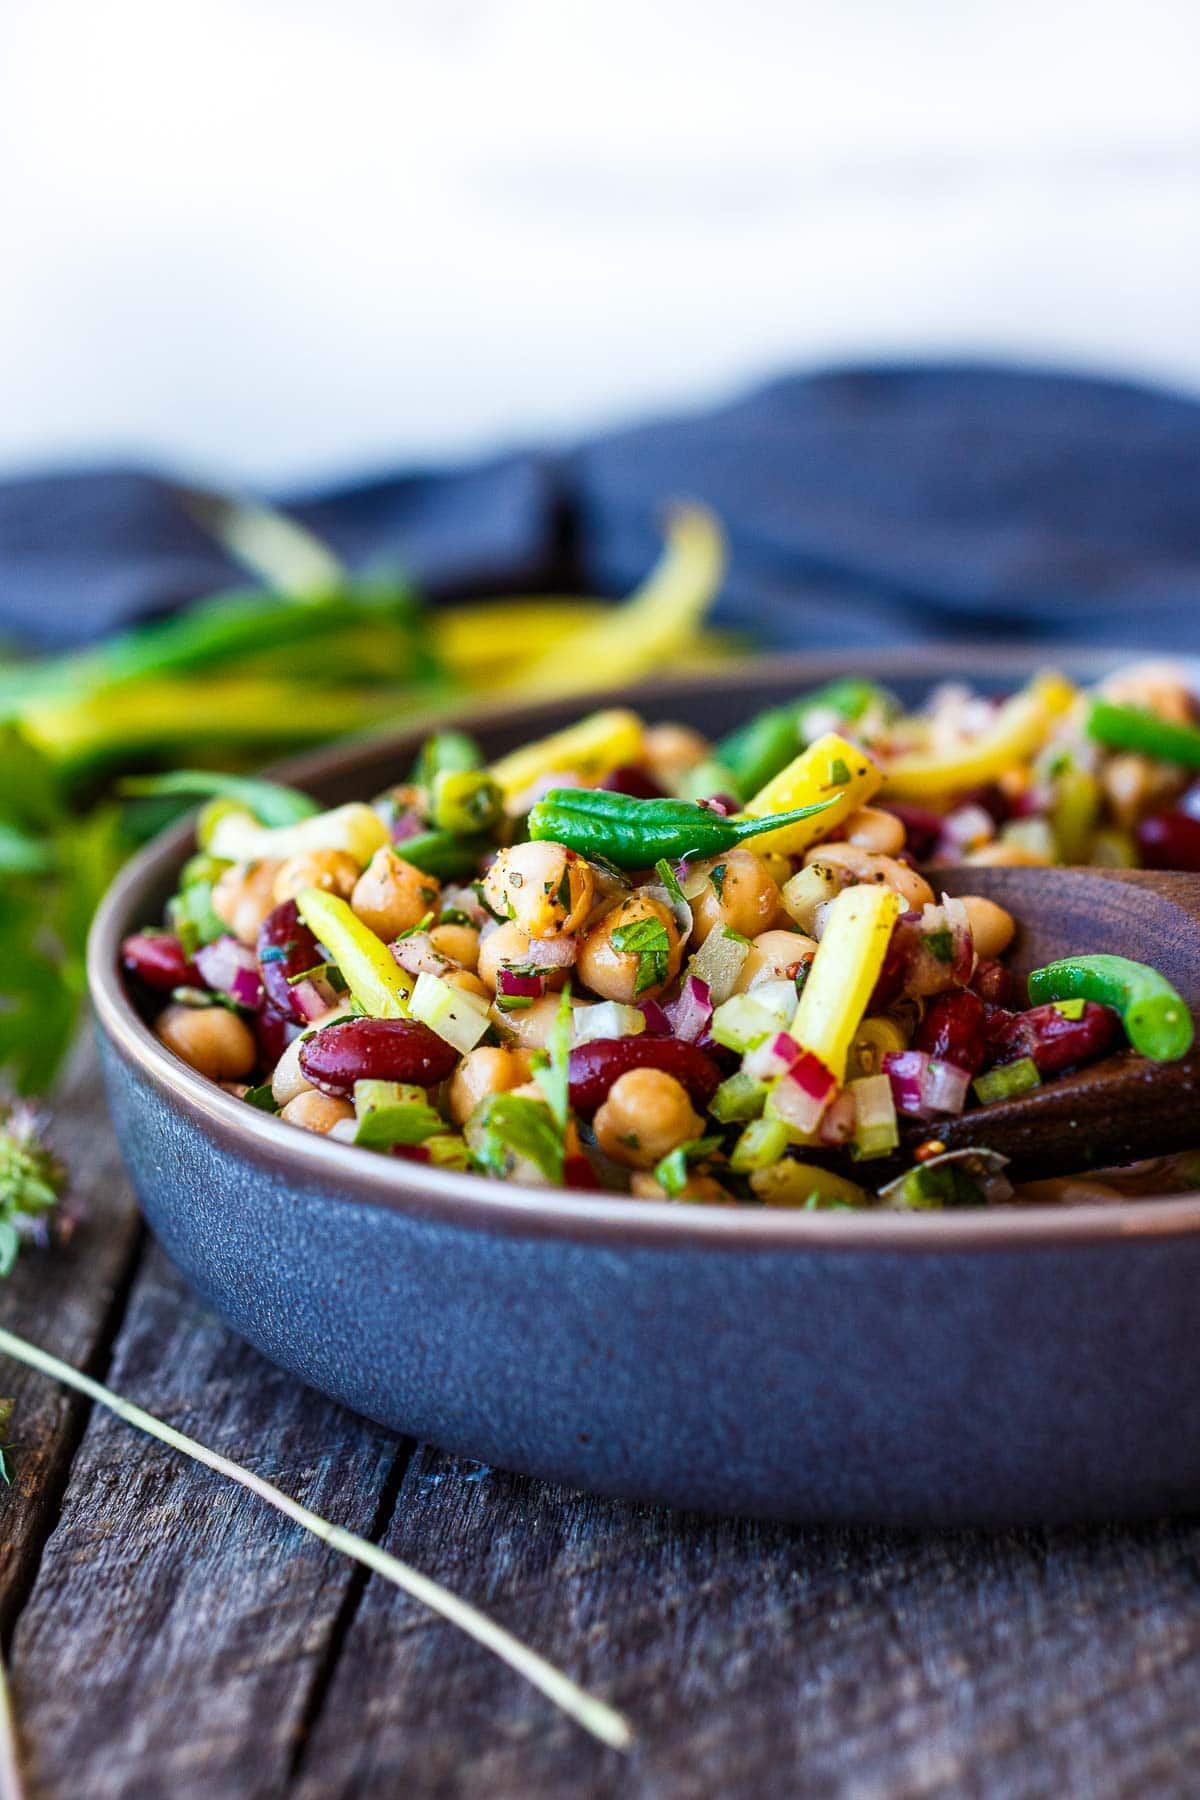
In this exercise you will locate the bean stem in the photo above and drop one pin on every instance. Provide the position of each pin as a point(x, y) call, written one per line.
point(589, 1712)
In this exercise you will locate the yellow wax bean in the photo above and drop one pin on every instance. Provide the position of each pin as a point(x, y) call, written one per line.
point(588, 749)
point(1019, 731)
point(830, 766)
point(844, 972)
point(355, 828)
point(790, 1183)
point(368, 968)
point(652, 627)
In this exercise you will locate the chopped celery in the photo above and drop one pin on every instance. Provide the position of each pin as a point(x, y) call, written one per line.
point(762, 1143)
point(875, 1127)
point(393, 1112)
point(742, 1021)
point(1007, 1081)
point(719, 962)
point(792, 1183)
point(738, 1098)
point(458, 1017)
point(610, 1019)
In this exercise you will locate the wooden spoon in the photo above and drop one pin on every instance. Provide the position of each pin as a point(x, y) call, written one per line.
point(1125, 1107)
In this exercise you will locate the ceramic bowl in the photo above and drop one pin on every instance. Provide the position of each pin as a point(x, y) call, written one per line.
point(939, 1369)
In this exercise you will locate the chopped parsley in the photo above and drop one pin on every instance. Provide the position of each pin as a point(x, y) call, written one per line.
point(512, 1128)
point(670, 880)
point(650, 942)
point(262, 1097)
point(940, 944)
point(552, 1068)
point(717, 880)
point(671, 1172)
point(839, 774)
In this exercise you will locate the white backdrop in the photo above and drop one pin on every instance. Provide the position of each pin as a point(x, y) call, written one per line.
point(271, 238)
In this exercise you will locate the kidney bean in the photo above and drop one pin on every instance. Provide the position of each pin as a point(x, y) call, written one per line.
point(274, 1033)
point(991, 798)
point(157, 960)
point(954, 1030)
point(284, 930)
point(375, 1050)
point(897, 960)
point(993, 982)
point(1054, 1042)
point(1170, 840)
point(596, 1065)
point(628, 779)
point(922, 828)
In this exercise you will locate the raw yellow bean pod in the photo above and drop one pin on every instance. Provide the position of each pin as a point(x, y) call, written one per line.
point(369, 969)
point(844, 972)
point(589, 749)
point(829, 767)
point(1021, 727)
point(356, 829)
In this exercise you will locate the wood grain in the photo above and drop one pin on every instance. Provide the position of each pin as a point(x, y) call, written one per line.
point(195, 1624)
point(760, 1659)
point(68, 1299)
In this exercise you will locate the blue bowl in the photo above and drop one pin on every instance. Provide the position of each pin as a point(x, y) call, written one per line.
point(939, 1369)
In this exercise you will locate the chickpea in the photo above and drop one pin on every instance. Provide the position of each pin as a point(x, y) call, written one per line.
point(866, 865)
point(1134, 785)
point(333, 870)
point(992, 928)
point(775, 955)
point(1158, 686)
point(482, 1073)
point(1004, 854)
point(647, 1113)
point(314, 1111)
point(739, 893)
point(391, 895)
point(871, 828)
point(507, 947)
point(210, 1039)
point(459, 942)
point(467, 980)
point(287, 1077)
point(620, 974)
point(542, 887)
point(244, 896)
point(705, 1188)
point(671, 750)
point(530, 1028)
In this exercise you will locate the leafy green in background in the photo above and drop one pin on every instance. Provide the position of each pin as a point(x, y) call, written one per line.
point(54, 866)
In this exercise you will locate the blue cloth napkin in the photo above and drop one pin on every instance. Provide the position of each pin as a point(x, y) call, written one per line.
point(864, 505)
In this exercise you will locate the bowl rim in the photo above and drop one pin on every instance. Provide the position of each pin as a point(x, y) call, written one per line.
point(479, 1203)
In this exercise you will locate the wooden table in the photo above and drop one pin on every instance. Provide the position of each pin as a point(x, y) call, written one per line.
point(170, 1636)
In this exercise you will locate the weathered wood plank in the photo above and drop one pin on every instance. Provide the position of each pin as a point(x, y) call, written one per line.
point(758, 1659)
point(178, 1633)
point(66, 1299)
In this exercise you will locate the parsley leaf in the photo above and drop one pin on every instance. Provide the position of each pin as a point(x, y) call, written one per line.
point(940, 944)
point(649, 941)
point(717, 879)
point(671, 1172)
point(552, 1071)
point(512, 1128)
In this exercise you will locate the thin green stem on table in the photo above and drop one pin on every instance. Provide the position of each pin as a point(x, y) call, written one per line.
point(11, 1786)
point(594, 1715)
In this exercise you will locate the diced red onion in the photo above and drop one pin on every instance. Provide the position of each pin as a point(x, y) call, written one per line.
point(725, 804)
point(906, 1070)
point(945, 1087)
point(690, 1014)
point(407, 824)
point(311, 998)
point(775, 1056)
point(231, 968)
point(417, 955)
point(803, 1094)
point(553, 952)
point(657, 1022)
point(520, 987)
point(837, 1123)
